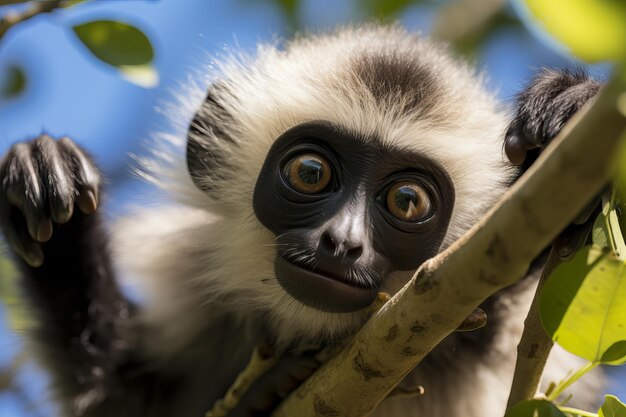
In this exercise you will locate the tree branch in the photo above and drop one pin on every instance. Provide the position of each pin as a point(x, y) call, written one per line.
point(35, 8)
point(534, 347)
point(9, 2)
point(493, 254)
point(462, 19)
point(261, 361)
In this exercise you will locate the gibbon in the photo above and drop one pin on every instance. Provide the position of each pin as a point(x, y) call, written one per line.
point(312, 177)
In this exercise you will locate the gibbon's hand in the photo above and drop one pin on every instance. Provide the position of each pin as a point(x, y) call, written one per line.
point(41, 182)
point(543, 108)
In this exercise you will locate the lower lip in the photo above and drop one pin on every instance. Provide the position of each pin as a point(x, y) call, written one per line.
point(322, 292)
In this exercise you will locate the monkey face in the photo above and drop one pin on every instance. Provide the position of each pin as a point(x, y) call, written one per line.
point(347, 211)
point(316, 217)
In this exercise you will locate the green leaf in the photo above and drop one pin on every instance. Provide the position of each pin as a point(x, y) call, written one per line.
point(387, 8)
point(534, 408)
point(14, 84)
point(17, 315)
point(615, 353)
point(610, 212)
point(122, 46)
point(592, 30)
point(599, 235)
point(71, 3)
point(116, 43)
point(583, 306)
point(290, 8)
point(143, 75)
point(606, 232)
point(612, 407)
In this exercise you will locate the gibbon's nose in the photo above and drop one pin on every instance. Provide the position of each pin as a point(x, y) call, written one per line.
point(344, 237)
point(333, 245)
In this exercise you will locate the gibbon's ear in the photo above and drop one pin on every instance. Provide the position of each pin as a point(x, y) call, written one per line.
point(196, 165)
point(207, 141)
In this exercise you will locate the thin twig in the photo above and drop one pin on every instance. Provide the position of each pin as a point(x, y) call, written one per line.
point(567, 382)
point(35, 8)
point(577, 412)
point(261, 361)
point(534, 346)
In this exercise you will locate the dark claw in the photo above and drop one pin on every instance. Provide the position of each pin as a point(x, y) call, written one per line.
point(87, 202)
point(61, 214)
point(44, 230)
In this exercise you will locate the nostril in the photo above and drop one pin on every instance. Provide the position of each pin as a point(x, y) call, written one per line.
point(354, 253)
point(328, 243)
point(335, 248)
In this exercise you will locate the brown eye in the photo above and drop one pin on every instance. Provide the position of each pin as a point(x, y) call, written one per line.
point(308, 173)
point(409, 201)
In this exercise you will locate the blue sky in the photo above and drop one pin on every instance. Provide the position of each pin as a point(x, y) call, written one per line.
point(70, 93)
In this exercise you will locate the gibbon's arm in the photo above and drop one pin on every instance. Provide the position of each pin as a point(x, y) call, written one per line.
point(49, 193)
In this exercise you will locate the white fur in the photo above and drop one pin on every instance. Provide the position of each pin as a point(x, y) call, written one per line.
point(312, 79)
point(211, 255)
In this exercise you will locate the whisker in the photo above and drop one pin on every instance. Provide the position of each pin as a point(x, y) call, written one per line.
point(277, 244)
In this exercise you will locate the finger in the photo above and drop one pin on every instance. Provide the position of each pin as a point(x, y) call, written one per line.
point(515, 150)
point(517, 144)
point(19, 240)
point(24, 191)
point(87, 177)
point(56, 174)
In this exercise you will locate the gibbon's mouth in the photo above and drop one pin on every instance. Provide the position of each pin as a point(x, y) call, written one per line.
point(321, 291)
